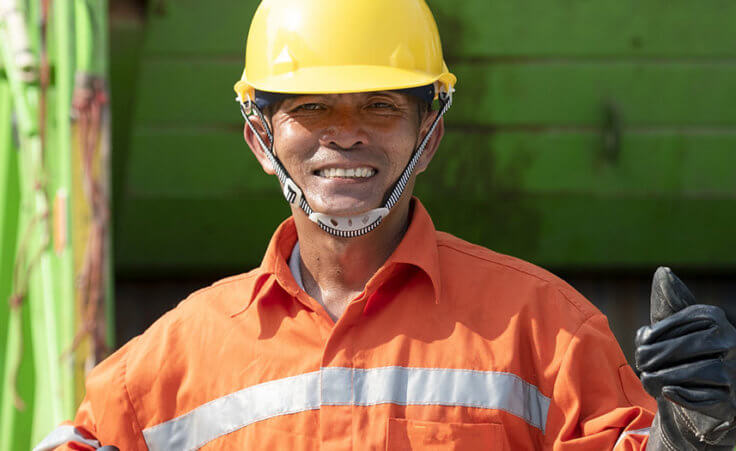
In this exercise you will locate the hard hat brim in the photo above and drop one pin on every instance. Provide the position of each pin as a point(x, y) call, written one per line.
point(342, 79)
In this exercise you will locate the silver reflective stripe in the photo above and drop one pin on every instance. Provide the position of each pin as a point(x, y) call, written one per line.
point(61, 435)
point(234, 411)
point(436, 386)
point(643, 431)
point(337, 386)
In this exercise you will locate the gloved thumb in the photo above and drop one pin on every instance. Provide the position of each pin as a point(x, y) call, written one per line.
point(669, 295)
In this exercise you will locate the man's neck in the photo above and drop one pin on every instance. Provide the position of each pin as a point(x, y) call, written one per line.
point(335, 270)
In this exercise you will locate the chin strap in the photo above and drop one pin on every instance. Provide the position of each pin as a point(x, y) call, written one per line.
point(342, 226)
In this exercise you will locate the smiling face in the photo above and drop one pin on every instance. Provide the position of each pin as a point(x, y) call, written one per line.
point(346, 151)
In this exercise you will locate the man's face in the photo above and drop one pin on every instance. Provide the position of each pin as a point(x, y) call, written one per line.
point(346, 151)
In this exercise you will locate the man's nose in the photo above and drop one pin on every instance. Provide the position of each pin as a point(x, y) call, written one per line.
point(345, 131)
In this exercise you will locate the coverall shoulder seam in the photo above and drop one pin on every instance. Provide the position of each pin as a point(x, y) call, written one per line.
point(232, 279)
point(480, 250)
point(586, 315)
point(551, 281)
point(202, 293)
point(480, 257)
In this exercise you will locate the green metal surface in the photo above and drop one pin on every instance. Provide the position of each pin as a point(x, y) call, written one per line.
point(638, 28)
point(125, 51)
point(651, 93)
point(587, 135)
point(613, 232)
point(197, 91)
point(190, 163)
point(183, 194)
point(492, 28)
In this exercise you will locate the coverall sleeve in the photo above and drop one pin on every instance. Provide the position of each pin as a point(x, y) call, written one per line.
point(106, 415)
point(598, 401)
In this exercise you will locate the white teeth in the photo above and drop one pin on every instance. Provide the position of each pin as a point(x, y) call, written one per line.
point(347, 173)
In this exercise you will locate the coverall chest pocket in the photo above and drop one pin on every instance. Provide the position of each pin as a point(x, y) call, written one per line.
point(405, 435)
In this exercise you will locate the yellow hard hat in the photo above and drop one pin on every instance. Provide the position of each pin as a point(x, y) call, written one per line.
point(341, 46)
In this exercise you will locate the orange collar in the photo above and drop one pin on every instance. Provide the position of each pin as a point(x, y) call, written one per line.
point(417, 248)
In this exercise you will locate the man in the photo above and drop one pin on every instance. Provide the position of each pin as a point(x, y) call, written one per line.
point(364, 328)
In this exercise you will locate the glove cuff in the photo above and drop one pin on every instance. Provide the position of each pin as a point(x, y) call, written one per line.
point(677, 429)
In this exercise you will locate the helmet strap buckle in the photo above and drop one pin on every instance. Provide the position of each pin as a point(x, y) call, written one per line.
point(292, 193)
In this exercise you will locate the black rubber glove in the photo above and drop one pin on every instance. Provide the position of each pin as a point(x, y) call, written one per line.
point(687, 359)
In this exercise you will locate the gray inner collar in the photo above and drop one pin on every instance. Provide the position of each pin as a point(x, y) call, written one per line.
point(295, 266)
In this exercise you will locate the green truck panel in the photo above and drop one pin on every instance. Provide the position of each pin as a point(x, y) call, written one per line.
point(198, 91)
point(190, 163)
point(583, 135)
point(230, 235)
point(491, 28)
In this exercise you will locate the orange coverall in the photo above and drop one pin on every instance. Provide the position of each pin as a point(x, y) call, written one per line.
point(450, 346)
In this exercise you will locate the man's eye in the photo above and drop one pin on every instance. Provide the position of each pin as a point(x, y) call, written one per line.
point(309, 107)
point(382, 105)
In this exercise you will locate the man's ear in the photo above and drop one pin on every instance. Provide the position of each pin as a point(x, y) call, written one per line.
point(434, 141)
point(255, 146)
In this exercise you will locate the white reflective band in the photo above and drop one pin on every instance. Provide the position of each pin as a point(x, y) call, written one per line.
point(61, 435)
point(435, 386)
point(234, 411)
point(337, 386)
point(643, 431)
